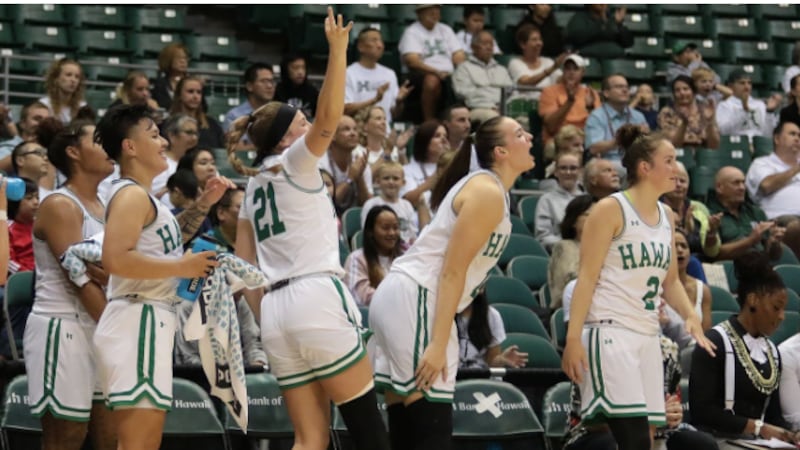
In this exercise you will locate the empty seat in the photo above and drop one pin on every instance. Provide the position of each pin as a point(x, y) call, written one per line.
point(159, 19)
point(725, 10)
point(634, 70)
point(213, 47)
point(687, 26)
point(675, 8)
point(218, 106)
point(8, 38)
point(108, 16)
point(41, 14)
point(541, 353)
point(100, 41)
point(508, 290)
point(647, 48)
point(403, 13)
point(531, 270)
point(738, 28)
point(754, 70)
point(150, 44)
point(105, 68)
point(51, 38)
point(749, 51)
point(784, 30)
point(722, 300)
point(368, 12)
point(773, 11)
point(639, 23)
point(519, 319)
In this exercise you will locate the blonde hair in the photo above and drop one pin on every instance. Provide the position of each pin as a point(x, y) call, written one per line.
point(256, 125)
point(177, 105)
point(125, 87)
point(384, 165)
point(361, 117)
point(701, 73)
point(54, 91)
point(168, 54)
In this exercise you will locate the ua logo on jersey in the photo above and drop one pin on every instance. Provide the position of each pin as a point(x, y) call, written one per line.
point(634, 223)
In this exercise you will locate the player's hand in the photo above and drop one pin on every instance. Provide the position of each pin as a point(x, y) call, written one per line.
point(674, 411)
point(214, 190)
point(574, 361)
point(196, 265)
point(695, 329)
point(336, 32)
point(97, 274)
point(432, 364)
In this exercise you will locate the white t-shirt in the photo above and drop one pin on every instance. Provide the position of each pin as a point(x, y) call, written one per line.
point(465, 39)
point(781, 202)
point(416, 173)
point(361, 84)
point(518, 69)
point(340, 176)
point(66, 112)
point(436, 46)
point(470, 356)
point(160, 182)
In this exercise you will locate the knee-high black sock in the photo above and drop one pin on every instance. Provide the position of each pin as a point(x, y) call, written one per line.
point(364, 422)
point(400, 432)
point(631, 433)
point(432, 424)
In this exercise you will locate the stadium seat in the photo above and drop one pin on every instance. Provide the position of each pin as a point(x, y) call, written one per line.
point(19, 292)
point(453, 15)
point(40, 66)
point(159, 19)
point(218, 106)
point(639, 23)
point(100, 41)
point(501, 289)
point(97, 16)
point(787, 256)
point(555, 408)
point(526, 183)
point(193, 418)
point(44, 38)
point(20, 428)
point(530, 269)
point(647, 48)
point(369, 12)
point(545, 298)
point(774, 11)
point(593, 70)
point(773, 76)
point(711, 50)
point(312, 11)
point(563, 18)
point(736, 28)
point(792, 300)
point(112, 72)
point(558, 330)
point(730, 275)
point(7, 37)
point(702, 181)
point(364, 310)
point(749, 51)
point(635, 70)
point(351, 221)
point(686, 156)
point(344, 250)
point(496, 271)
point(541, 353)
point(675, 9)
point(39, 14)
point(519, 319)
point(788, 328)
point(518, 225)
point(684, 387)
point(722, 300)
point(762, 146)
point(790, 274)
point(718, 317)
point(784, 30)
point(725, 10)
point(100, 99)
point(150, 44)
point(710, 158)
point(403, 13)
point(211, 47)
point(268, 416)
point(357, 241)
point(684, 26)
point(520, 244)
point(526, 208)
point(754, 70)
point(734, 151)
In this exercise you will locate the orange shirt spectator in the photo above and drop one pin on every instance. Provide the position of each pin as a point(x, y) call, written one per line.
point(567, 102)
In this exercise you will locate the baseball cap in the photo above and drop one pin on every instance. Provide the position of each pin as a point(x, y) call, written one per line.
point(680, 46)
point(421, 7)
point(736, 75)
point(577, 59)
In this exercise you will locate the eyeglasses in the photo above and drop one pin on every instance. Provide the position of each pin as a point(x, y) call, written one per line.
point(190, 132)
point(568, 168)
point(269, 81)
point(39, 151)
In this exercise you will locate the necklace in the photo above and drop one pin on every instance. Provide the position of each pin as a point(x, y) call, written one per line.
point(764, 385)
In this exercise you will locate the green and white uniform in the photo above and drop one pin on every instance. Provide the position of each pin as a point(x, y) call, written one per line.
point(59, 359)
point(403, 308)
point(622, 328)
point(309, 320)
point(136, 333)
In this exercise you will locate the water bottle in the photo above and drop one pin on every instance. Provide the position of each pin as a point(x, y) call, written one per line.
point(190, 288)
point(15, 188)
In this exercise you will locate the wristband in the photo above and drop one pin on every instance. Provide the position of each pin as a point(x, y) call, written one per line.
point(758, 424)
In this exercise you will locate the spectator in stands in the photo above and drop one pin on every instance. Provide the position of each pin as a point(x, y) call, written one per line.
point(597, 33)
point(182, 190)
point(474, 19)
point(201, 162)
point(8, 129)
point(563, 263)
point(371, 122)
point(480, 332)
point(541, 16)
point(793, 70)
point(707, 87)
point(29, 160)
point(645, 102)
point(456, 122)
point(685, 59)
point(791, 112)
point(532, 69)
point(773, 181)
point(31, 115)
point(567, 102)
point(420, 173)
point(790, 381)
point(603, 122)
point(744, 226)
point(741, 114)
point(390, 178)
point(4, 244)
point(366, 267)
point(20, 229)
point(65, 86)
point(551, 207)
point(189, 100)
point(173, 61)
point(756, 361)
point(135, 89)
point(479, 81)
point(702, 229)
point(600, 178)
point(181, 133)
point(295, 88)
point(351, 172)
point(370, 83)
point(569, 139)
point(687, 122)
point(431, 52)
point(259, 85)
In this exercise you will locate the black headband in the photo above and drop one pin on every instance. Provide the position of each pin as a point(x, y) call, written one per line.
point(276, 131)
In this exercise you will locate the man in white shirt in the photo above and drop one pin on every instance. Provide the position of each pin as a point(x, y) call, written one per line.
point(742, 115)
point(431, 52)
point(773, 181)
point(369, 83)
point(479, 81)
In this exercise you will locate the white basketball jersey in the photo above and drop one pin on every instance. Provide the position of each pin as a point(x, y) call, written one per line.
point(630, 283)
point(292, 216)
point(160, 239)
point(55, 294)
point(423, 261)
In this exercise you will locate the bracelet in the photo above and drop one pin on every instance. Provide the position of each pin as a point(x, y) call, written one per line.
point(3, 215)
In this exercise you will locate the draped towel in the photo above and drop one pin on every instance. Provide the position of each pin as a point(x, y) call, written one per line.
point(75, 257)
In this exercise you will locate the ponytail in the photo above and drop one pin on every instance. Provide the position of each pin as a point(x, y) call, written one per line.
point(238, 129)
point(265, 127)
point(454, 171)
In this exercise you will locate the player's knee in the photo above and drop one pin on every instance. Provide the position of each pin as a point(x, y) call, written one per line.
point(364, 422)
point(65, 434)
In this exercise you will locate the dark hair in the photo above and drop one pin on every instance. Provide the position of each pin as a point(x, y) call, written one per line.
point(18, 150)
point(84, 113)
point(422, 139)
point(251, 73)
point(779, 128)
point(447, 114)
point(793, 81)
point(54, 136)
point(13, 206)
point(478, 329)
point(187, 160)
point(287, 59)
point(637, 146)
point(257, 125)
point(365, 31)
point(685, 79)
point(486, 138)
point(606, 84)
point(756, 276)
point(370, 248)
point(473, 9)
point(524, 33)
point(224, 202)
point(186, 182)
point(115, 126)
point(575, 208)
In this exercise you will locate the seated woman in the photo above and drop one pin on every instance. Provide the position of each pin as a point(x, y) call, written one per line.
point(366, 267)
point(135, 90)
point(480, 333)
point(754, 407)
point(65, 87)
point(188, 99)
point(374, 142)
point(569, 139)
point(687, 122)
point(551, 207)
point(563, 264)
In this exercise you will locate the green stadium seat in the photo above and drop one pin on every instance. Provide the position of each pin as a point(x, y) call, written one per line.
point(734, 148)
point(756, 75)
point(311, 11)
point(21, 429)
point(647, 48)
point(218, 106)
point(686, 156)
point(784, 52)
point(774, 11)
point(501, 289)
point(40, 67)
point(788, 328)
point(718, 317)
point(702, 180)
point(736, 28)
point(790, 274)
point(519, 319)
point(7, 36)
point(19, 292)
point(351, 221)
point(593, 70)
point(39, 14)
point(369, 12)
point(725, 10)
point(558, 330)
point(159, 19)
point(531, 270)
point(100, 99)
point(5, 15)
point(555, 409)
point(193, 419)
point(391, 59)
point(100, 41)
point(44, 38)
point(722, 300)
point(518, 225)
point(639, 23)
point(545, 298)
point(792, 300)
point(453, 15)
point(541, 353)
point(268, 18)
point(344, 251)
point(749, 51)
point(520, 244)
point(403, 13)
point(207, 47)
point(357, 241)
point(563, 17)
point(634, 70)
point(97, 16)
point(787, 256)
point(493, 410)
point(762, 146)
point(675, 9)
point(711, 50)
point(111, 72)
point(268, 416)
point(709, 158)
point(638, 8)
point(526, 208)
point(782, 30)
point(683, 26)
point(526, 183)
point(150, 44)
point(773, 76)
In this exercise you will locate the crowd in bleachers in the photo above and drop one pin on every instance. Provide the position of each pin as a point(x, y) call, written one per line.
point(721, 82)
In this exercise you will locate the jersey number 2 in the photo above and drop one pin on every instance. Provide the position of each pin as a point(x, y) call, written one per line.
point(652, 283)
point(262, 200)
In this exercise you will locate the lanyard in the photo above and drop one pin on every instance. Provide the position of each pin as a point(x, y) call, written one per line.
point(608, 119)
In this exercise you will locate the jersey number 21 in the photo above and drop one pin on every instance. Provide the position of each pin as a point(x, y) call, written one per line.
point(264, 200)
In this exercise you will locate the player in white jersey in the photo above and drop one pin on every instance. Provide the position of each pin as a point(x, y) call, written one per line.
point(59, 359)
point(413, 309)
point(287, 225)
point(143, 253)
point(625, 268)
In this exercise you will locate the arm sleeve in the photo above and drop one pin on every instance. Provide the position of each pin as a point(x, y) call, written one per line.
point(298, 159)
point(452, 41)
point(517, 69)
point(410, 43)
point(462, 82)
point(349, 87)
point(496, 327)
point(357, 278)
point(755, 175)
point(545, 228)
point(728, 118)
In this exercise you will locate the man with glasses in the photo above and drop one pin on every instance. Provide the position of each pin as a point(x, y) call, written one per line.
point(259, 81)
point(29, 160)
point(552, 205)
